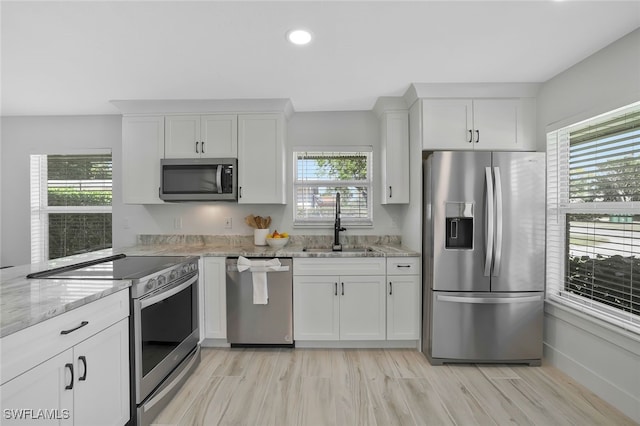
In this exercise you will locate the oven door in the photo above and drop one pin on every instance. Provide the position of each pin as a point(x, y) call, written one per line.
point(165, 332)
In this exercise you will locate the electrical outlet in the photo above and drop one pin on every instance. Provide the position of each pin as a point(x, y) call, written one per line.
point(228, 223)
point(177, 222)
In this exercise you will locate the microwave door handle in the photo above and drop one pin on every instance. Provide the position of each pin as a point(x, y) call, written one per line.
point(219, 178)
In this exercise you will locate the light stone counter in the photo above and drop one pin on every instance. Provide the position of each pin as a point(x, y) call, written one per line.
point(25, 302)
point(240, 245)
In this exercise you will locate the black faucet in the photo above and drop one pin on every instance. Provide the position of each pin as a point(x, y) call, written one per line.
point(336, 226)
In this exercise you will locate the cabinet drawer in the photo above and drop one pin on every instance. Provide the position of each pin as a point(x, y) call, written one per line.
point(339, 266)
point(27, 348)
point(403, 266)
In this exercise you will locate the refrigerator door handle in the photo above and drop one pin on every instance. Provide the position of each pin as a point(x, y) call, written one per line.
point(498, 242)
point(488, 222)
point(488, 300)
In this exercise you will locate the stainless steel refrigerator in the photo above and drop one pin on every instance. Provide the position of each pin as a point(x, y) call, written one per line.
point(483, 256)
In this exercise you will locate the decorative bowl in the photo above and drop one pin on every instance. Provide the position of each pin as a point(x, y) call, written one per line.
point(277, 242)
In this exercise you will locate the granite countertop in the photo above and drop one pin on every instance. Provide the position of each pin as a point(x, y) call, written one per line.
point(234, 245)
point(25, 302)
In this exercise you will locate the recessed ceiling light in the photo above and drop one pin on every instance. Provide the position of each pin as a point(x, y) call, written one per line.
point(299, 37)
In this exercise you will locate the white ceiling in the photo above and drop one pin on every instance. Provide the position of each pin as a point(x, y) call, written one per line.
point(74, 57)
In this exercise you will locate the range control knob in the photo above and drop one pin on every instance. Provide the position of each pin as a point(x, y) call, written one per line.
point(150, 285)
point(162, 280)
point(173, 275)
point(193, 267)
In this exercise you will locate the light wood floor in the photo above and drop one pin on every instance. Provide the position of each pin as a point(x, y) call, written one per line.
point(376, 387)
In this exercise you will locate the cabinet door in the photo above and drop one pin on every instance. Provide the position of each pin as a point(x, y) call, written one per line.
point(446, 124)
point(142, 149)
point(403, 307)
point(41, 388)
point(182, 132)
point(362, 308)
point(261, 168)
point(496, 124)
point(101, 388)
point(395, 157)
point(219, 136)
point(316, 308)
point(215, 299)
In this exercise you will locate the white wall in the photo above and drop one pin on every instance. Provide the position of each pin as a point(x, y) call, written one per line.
point(605, 360)
point(22, 136)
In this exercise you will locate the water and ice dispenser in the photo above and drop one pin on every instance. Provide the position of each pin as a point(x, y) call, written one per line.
point(459, 225)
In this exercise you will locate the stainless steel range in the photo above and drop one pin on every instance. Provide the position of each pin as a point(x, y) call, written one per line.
point(164, 331)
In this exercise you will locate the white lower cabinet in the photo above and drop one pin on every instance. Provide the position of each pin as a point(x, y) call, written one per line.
point(72, 369)
point(215, 299)
point(403, 298)
point(349, 305)
point(41, 388)
point(85, 385)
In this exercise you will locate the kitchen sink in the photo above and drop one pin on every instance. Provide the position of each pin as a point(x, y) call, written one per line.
point(344, 250)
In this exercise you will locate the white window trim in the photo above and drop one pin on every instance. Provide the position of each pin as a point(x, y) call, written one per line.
point(39, 205)
point(316, 223)
point(558, 207)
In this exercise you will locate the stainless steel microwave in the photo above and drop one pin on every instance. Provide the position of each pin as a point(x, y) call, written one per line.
point(199, 179)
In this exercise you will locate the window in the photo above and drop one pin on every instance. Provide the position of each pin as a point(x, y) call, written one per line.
point(320, 175)
point(593, 235)
point(70, 204)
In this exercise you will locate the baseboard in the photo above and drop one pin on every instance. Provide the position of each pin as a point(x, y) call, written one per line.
point(358, 344)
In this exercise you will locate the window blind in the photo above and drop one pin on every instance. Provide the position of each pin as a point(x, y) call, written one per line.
point(319, 176)
point(593, 226)
point(71, 197)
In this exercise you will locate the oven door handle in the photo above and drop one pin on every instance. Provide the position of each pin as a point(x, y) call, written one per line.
point(167, 294)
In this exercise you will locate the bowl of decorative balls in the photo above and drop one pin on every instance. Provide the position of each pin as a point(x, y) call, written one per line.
point(277, 240)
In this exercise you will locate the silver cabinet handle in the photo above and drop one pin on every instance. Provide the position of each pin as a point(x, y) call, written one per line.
point(197, 147)
point(470, 136)
point(477, 136)
point(342, 288)
point(390, 192)
point(202, 147)
point(390, 288)
point(336, 289)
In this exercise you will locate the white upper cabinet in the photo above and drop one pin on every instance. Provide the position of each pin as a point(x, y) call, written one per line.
point(201, 136)
point(394, 150)
point(478, 124)
point(261, 159)
point(142, 150)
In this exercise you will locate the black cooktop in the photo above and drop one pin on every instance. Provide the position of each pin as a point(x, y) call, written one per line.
point(118, 267)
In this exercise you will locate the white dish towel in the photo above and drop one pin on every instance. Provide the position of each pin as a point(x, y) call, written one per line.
point(259, 270)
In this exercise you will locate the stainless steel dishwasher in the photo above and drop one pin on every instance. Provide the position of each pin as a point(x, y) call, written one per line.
point(249, 324)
